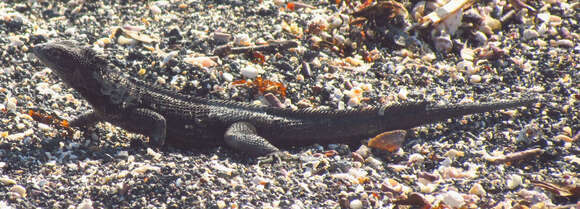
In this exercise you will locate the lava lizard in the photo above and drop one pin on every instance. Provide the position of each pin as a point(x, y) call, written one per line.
point(168, 117)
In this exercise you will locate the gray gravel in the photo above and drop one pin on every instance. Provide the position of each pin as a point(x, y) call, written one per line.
point(450, 164)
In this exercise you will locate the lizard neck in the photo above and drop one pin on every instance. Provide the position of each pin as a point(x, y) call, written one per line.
point(106, 90)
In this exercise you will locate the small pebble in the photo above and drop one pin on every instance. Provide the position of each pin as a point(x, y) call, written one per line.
point(466, 54)
point(161, 80)
point(11, 103)
point(221, 204)
point(429, 57)
point(250, 71)
point(274, 101)
point(428, 176)
point(85, 204)
point(20, 126)
point(427, 188)
point(567, 130)
point(356, 204)
point(530, 34)
point(443, 43)
point(142, 71)
point(222, 37)
point(453, 199)
point(478, 190)
point(357, 157)
point(305, 70)
point(242, 40)
point(403, 94)
point(415, 158)
point(480, 37)
point(390, 141)
point(353, 102)
point(145, 168)
point(475, 78)
point(201, 61)
point(228, 76)
point(20, 136)
point(335, 21)
point(223, 169)
point(7, 181)
point(514, 181)
point(565, 43)
point(155, 9)
point(123, 154)
point(466, 66)
point(453, 153)
point(153, 154)
point(562, 137)
point(168, 57)
point(20, 190)
point(44, 127)
point(544, 16)
point(123, 40)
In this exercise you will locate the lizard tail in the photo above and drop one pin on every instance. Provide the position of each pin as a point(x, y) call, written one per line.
point(442, 112)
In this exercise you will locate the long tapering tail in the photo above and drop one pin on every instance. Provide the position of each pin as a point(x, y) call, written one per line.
point(442, 112)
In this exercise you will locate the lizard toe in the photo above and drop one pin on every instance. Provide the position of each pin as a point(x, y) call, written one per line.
point(277, 157)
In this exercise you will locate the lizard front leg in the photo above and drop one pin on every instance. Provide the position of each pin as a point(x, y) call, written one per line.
point(147, 122)
point(140, 120)
point(85, 120)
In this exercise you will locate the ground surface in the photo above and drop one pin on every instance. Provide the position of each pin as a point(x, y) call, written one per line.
point(339, 63)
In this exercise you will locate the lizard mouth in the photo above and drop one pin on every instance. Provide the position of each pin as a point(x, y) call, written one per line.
point(42, 53)
point(63, 61)
point(56, 55)
point(53, 58)
point(37, 51)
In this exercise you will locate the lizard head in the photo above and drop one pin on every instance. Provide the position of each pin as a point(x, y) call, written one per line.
point(74, 63)
point(84, 70)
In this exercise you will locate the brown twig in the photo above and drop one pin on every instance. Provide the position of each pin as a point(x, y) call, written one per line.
point(520, 4)
point(516, 156)
point(271, 47)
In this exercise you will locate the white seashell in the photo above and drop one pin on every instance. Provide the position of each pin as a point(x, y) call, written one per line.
point(530, 34)
point(443, 43)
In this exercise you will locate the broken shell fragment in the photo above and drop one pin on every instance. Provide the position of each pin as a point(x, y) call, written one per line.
point(565, 43)
point(390, 141)
point(443, 43)
point(467, 54)
point(201, 61)
point(453, 7)
point(222, 37)
point(530, 34)
point(466, 66)
point(242, 40)
point(480, 37)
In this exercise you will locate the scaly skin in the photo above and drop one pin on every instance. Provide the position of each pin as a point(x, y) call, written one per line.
point(169, 117)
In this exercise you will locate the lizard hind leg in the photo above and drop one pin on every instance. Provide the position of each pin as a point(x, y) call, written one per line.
point(242, 136)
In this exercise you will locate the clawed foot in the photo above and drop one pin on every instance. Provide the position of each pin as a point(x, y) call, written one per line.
point(277, 157)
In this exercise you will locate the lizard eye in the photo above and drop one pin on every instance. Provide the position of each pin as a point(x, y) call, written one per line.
point(54, 52)
point(97, 58)
point(69, 43)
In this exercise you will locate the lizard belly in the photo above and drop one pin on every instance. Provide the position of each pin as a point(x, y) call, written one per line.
point(192, 135)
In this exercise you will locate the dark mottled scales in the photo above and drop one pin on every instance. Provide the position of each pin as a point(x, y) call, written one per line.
point(168, 117)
